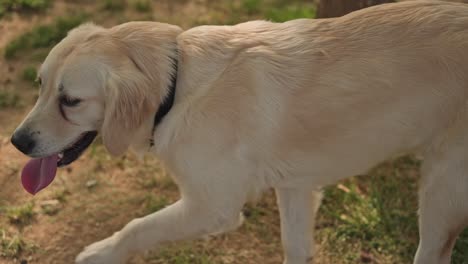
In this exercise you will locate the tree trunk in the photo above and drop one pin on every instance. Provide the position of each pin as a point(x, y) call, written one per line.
point(336, 8)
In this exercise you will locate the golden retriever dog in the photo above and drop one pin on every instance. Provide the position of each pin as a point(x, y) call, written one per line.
point(235, 110)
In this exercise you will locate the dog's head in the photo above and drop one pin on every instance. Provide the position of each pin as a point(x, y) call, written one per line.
point(95, 80)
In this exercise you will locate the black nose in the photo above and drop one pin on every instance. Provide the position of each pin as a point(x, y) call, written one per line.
point(23, 142)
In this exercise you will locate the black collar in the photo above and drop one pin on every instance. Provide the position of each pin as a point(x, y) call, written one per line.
point(167, 102)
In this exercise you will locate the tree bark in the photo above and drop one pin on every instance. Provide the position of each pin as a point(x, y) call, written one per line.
point(336, 8)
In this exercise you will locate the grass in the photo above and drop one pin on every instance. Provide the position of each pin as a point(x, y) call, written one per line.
point(22, 6)
point(154, 204)
point(43, 36)
point(359, 217)
point(253, 213)
point(61, 195)
point(8, 99)
point(182, 255)
point(460, 252)
point(149, 183)
point(50, 207)
point(20, 215)
point(29, 74)
point(252, 6)
point(258, 219)
point(113, 5)
point(273, 10)
point(162, 182)
point(13, 246)
point(290, 12)
point(142, 6)
point(39, 55)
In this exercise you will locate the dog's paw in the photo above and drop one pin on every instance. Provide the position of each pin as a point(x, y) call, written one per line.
point(102, 252)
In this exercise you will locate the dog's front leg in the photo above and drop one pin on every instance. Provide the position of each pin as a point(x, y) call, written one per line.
point(298, 207)
point(186, 219)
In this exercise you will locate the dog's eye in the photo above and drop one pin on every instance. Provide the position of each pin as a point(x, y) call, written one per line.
point(70, 102)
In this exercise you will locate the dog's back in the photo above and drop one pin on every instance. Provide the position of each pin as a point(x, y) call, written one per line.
point(387, 79)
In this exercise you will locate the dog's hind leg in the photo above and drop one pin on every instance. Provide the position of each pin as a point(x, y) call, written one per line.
point(298, 208)
point(443, 197)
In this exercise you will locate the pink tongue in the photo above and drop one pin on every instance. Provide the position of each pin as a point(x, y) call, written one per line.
point(39, 173)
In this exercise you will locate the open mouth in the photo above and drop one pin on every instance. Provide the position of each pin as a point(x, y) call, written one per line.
point(74, 151)
point(40, 172)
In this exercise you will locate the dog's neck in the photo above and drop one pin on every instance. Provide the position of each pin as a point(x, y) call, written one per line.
point(168, 101)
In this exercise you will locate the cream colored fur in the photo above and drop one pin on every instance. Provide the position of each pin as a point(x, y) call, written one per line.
point(293, 106)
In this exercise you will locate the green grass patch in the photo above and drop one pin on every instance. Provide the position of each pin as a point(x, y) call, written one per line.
point(20, 215)
point(154, 204)
point(460, 252)
point(29, 74)
point(149, 182)
point(290, 12)
point(43, 36)
point(252, 6)
point(166, 183)
point(374, 215)
point(61, 195)
point(7, 6)
point(8, 99)
point(13, 246)
point(253, 213)
point(181, 255)
point(142, 6)
point(39, 55)
point(259, 217)
point(273, 10)
point(113, 5)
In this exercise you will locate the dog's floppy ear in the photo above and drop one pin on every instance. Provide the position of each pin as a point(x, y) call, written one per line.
point(138, 80)
point(128, 104)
